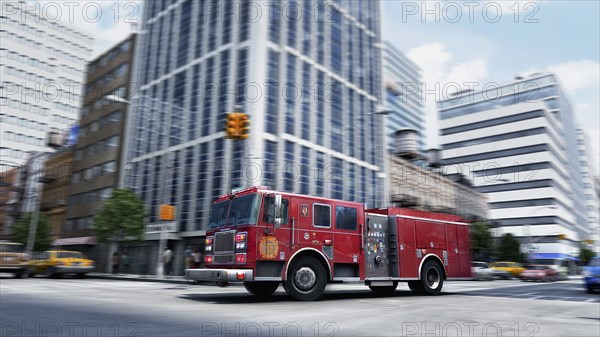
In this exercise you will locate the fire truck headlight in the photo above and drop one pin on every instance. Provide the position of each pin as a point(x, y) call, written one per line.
point(240, 246)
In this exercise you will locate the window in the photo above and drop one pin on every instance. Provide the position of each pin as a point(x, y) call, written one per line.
point(345, 218)
point(109, 167)
point(268, 212)
point(321, 215)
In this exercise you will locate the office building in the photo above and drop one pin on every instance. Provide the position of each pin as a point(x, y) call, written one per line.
point(402, 94)
point(97, 152)
point(592, 199)
point(310, 85)
point(517, 142)
point(41, 68)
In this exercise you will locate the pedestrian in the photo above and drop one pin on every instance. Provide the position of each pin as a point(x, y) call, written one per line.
point(167, 261)
point(197, 258)
point(115, 262)
point(125, 262)
point(188, 257)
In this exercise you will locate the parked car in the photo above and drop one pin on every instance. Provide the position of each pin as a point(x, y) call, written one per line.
point(561, 266)
point(513, 268)
point(501, 274)
point(538, 272)
point(13, 259)
point(55, 263)
point(591, 275)
point(481, 271)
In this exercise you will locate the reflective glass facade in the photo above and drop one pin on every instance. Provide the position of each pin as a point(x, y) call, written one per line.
point(304, 75)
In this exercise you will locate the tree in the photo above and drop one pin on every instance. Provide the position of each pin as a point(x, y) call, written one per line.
point(585, 255)
point(481, 241)
point(509, 249)
point(121, 218)
point(20, 232)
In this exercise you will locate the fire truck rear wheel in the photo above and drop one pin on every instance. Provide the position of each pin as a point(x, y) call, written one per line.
point(432, 278)
point(306, 279)
point(385, 290)
point(261, 289)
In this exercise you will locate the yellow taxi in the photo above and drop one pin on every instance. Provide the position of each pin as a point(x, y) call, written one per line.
point(514, 268)
point(54, 263)
point(13, 259)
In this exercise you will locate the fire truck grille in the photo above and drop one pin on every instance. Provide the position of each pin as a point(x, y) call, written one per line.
point(224, 242)
point(223, 259)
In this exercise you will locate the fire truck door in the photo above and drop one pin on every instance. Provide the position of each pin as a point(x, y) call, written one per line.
point(464, 254)
point(407, 248)
point(377, 262)
point(451, 262)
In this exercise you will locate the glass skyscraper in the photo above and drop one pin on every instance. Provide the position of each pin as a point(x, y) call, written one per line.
point(402, 83)
point(308, 73)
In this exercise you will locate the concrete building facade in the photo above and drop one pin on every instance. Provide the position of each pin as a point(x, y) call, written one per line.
point(42, 65)
point(517, 143)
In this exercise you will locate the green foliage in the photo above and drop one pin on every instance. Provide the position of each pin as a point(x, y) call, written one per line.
point(481, 241)
point(121, 218)
point(585, 255)
point(20, 232)
point(509, 249)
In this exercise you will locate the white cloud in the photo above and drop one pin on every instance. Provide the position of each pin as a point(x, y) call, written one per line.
point(107, 21)
point(577, 75)
point(438, 72)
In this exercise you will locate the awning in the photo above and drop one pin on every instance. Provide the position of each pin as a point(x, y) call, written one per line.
point(553, 256)
point(84, 240)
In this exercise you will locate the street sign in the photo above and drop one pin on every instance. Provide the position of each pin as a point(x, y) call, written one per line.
point(166, 212)
point(159, 227)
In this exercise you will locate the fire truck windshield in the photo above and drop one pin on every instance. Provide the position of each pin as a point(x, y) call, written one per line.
point(237, 211)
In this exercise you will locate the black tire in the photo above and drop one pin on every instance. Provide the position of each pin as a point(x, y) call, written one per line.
point(415, 286)
point(51, 273)
point(19, 274)
point(80, 275)
point(306, 279)
point(432, 278)
point(385, 290)
point(590, 290)
point(261, 289)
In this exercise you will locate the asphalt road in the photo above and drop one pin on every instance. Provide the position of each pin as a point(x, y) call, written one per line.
point(94, 307)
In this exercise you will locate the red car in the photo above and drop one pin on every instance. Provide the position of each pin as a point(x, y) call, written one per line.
point(539, 273)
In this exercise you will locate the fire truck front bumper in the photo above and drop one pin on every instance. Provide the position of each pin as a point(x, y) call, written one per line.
point(220, 275)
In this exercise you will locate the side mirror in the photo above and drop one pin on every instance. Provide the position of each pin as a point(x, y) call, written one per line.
point(277, 205)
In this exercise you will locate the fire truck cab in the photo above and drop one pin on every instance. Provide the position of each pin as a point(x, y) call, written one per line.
point(265, 238)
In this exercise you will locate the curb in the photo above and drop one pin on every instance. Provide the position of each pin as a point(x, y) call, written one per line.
point(155, 280)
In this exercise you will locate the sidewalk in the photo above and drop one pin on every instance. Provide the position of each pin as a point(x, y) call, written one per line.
point(143, 278)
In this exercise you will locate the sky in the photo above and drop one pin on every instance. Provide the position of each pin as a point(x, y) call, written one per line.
point(452, 41)
point(492, 41)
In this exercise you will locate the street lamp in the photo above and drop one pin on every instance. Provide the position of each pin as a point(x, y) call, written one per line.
point(383, 111)
point(527, 227)
point(162, 229)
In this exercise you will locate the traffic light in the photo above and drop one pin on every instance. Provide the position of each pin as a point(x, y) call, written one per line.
point(245, 126)
point(166, 212)
point(233, 126)
point(237, 126)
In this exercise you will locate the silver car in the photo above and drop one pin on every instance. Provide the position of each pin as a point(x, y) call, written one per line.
point(481, 271)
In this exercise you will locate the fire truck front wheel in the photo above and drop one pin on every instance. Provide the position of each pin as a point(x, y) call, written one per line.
point(432, 278)
point(306, 279)
point(261, 289)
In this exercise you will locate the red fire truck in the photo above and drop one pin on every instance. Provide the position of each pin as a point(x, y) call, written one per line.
point(265, 238)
